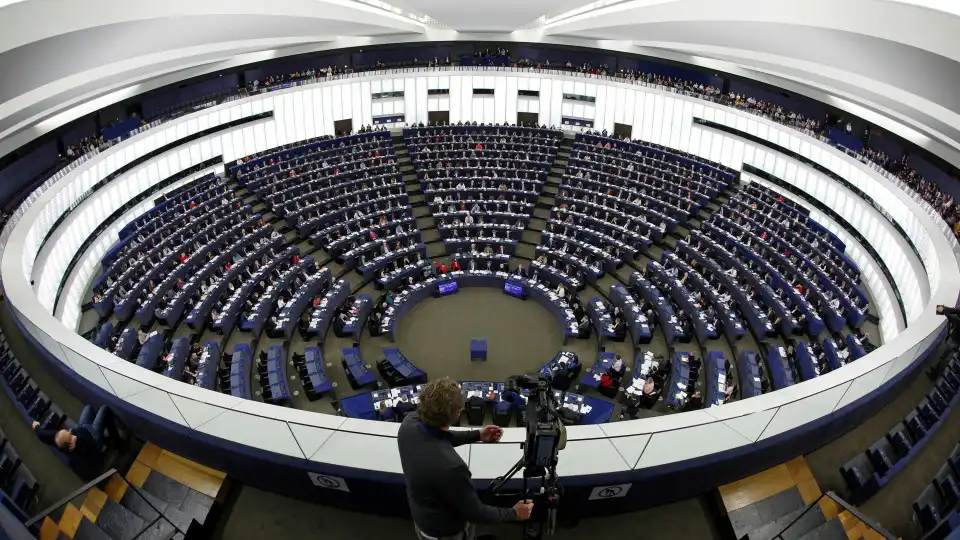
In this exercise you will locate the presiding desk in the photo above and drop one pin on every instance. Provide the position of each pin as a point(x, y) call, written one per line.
point(478, 278)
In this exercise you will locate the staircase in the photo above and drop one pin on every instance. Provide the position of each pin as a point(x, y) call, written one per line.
point(530, 239)
point(420, 209)
point(787, 501)
point(162, 496)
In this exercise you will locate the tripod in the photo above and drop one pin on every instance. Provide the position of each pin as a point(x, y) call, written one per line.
point(546, 498)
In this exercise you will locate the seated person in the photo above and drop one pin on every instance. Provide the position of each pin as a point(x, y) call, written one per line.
point(631, 407)
point(386, 413)
point(561, 378)
point(569, 417)
point(619, 328)
point(650, 393)
point(404, 407)
point(85, 440)
point(511, 394)
point(583, 327)
point(694, 403)
point(617, 370)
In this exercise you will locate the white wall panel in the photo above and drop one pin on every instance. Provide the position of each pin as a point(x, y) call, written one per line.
point(357, 98)
point(512, 100)
point(455, 100)
point(501, 97)
point(328, 115)
point(420, 100)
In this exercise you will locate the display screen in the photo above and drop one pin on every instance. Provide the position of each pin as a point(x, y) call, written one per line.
point(447, 287)
point(513, 289)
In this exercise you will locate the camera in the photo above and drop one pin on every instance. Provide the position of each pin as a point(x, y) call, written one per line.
point(546, 436)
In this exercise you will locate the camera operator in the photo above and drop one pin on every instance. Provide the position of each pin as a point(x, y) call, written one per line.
point(443, 502)
point(953, 317)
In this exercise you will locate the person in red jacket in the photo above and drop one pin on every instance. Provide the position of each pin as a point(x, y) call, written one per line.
point(441, 269)
point(454, 266)
point(296, 259)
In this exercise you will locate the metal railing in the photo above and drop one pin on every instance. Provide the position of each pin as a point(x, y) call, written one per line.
point(853, 519)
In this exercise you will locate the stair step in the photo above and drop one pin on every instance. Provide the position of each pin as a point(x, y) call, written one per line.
point(188, 473)
point(178, 495)
point(161, 530)
point(87, 530)
point(118, 522)
point(70, 520)
point(49, 530)
point(773, 528)
point(146, 505)
point(830, 530)
point(760, 513)
point(93, 504)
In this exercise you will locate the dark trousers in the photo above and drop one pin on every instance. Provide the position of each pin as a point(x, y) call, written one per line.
point(96, 425)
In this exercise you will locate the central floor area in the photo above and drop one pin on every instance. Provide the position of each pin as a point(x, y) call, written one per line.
point(521, 335)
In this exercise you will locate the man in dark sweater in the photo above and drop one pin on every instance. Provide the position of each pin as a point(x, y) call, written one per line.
point(443, 502)
point(85, 440)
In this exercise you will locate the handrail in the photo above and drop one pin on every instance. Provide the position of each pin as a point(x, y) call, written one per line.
point(92, 484)
point(844, 505)
point(69, 497)
point(857, 514)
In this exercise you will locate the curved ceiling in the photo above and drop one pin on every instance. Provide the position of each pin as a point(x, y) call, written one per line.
point(895, 59)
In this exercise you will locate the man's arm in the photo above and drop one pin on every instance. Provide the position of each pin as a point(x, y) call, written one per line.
point(463, 499)
point(463, 437)
point(46, 436)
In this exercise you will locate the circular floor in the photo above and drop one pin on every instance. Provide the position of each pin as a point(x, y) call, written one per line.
point(521, 335)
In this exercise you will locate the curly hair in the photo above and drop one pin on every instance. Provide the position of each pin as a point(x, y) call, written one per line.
point(440, 403)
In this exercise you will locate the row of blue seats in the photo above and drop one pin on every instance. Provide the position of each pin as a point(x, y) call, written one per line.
point(18, 486)
point(707, 172)
point(313, 377)
point(666, 275)
point(658, 194)
point(272, 375)
point(867, 473)
point(725, 315)
point(249, 164)
point(773, 200)
point(116, 273)
point(936, 508)
point(733, 253)
point(202, 189)
point(642, 171)
point(853, 299)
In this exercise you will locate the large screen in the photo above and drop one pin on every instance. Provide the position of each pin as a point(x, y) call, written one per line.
point(447, 287)
point(513, 289)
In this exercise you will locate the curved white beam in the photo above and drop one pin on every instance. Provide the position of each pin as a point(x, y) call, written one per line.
point(32, 20)
point(892, 21)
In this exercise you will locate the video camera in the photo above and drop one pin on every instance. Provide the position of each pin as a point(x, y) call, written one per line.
point(546, 436)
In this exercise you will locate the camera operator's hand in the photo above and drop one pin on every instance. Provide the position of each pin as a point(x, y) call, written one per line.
point(523, 508)
point(490, 434)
